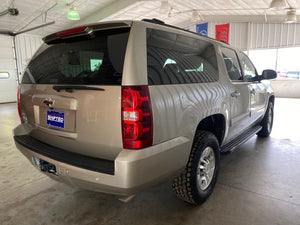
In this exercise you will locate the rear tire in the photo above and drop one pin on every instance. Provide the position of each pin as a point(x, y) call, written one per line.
point(267, 122)
point(198, 180)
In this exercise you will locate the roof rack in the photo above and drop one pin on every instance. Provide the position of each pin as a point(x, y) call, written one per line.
point(160, 22)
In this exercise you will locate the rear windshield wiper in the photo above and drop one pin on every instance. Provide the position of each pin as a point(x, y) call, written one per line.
point(70, 88)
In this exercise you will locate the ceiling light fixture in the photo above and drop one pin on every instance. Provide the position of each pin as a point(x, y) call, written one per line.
point(164, 7)
point(291, 16)
point(278, 4)
point(73, 14)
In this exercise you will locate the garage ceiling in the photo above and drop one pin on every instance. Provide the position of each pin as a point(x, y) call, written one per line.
point(34, 13)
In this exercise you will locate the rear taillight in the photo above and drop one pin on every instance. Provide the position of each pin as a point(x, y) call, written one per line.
point(137, 124)
point(19, 106)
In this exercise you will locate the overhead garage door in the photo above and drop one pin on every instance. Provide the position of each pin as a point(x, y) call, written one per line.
point(8, 80)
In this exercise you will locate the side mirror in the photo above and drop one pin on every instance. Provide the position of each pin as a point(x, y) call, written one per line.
point(268, 75)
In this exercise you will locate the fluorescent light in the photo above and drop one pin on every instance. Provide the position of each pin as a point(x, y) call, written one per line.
point(290, 17)
point(278, 4)
point(73, 14)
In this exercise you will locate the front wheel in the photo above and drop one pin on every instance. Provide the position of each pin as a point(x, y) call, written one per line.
point(267, 122)
point(198, 180)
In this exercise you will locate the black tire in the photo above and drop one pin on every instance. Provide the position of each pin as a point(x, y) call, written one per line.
point(186, 186)
point(267, 122)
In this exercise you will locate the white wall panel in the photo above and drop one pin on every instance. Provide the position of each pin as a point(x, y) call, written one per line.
point(262, 35)
point(275, 35)
point(8, 86)
point(238, 33)
point(272, 36)
point(26, 46)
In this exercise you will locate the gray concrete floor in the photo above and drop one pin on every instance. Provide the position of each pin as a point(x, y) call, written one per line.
point(258, 184)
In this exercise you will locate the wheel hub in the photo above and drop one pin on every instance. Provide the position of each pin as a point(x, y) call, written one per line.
point(206, 168)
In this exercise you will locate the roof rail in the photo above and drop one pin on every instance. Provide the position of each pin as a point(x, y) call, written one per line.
point(160, 22)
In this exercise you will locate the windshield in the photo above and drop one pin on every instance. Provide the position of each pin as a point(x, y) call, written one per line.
point(96, 61)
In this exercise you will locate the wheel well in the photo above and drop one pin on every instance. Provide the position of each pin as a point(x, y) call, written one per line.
point(272, 99)
point(214, 124)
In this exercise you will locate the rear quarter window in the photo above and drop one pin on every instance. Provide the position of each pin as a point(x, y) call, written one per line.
point(178, 59)
point(97, 61)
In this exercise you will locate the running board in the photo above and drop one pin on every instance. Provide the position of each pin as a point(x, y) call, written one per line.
point(241, 139)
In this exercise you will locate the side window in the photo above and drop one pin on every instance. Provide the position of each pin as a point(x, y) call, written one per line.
point(232, 64)
point(178, 59)
point(248, 69)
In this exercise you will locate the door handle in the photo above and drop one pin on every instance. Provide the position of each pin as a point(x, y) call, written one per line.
point(235, 94)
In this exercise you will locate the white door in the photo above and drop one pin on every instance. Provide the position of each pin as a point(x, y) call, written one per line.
point(8, 79)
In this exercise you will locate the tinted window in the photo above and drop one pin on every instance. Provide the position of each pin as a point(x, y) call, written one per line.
point(177, 59)
point(232, 64)
point(95, 61)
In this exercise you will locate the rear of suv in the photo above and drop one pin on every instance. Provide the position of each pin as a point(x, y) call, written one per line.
point(119, 107)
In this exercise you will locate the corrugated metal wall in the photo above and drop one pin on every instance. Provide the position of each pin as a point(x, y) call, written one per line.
point(26, 46)
point(261, 35)
point(274, 35)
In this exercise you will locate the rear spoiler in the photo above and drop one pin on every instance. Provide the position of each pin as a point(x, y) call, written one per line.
point(83, 31)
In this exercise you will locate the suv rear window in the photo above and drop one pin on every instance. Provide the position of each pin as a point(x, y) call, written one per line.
point(177, 59)
point(97, 61)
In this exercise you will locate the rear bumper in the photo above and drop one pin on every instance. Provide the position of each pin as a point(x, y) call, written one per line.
point(131, 172)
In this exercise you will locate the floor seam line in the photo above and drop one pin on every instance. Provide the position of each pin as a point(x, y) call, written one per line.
point(263, 195)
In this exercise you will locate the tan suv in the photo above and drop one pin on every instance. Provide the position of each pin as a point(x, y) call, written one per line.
point(118, 107)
